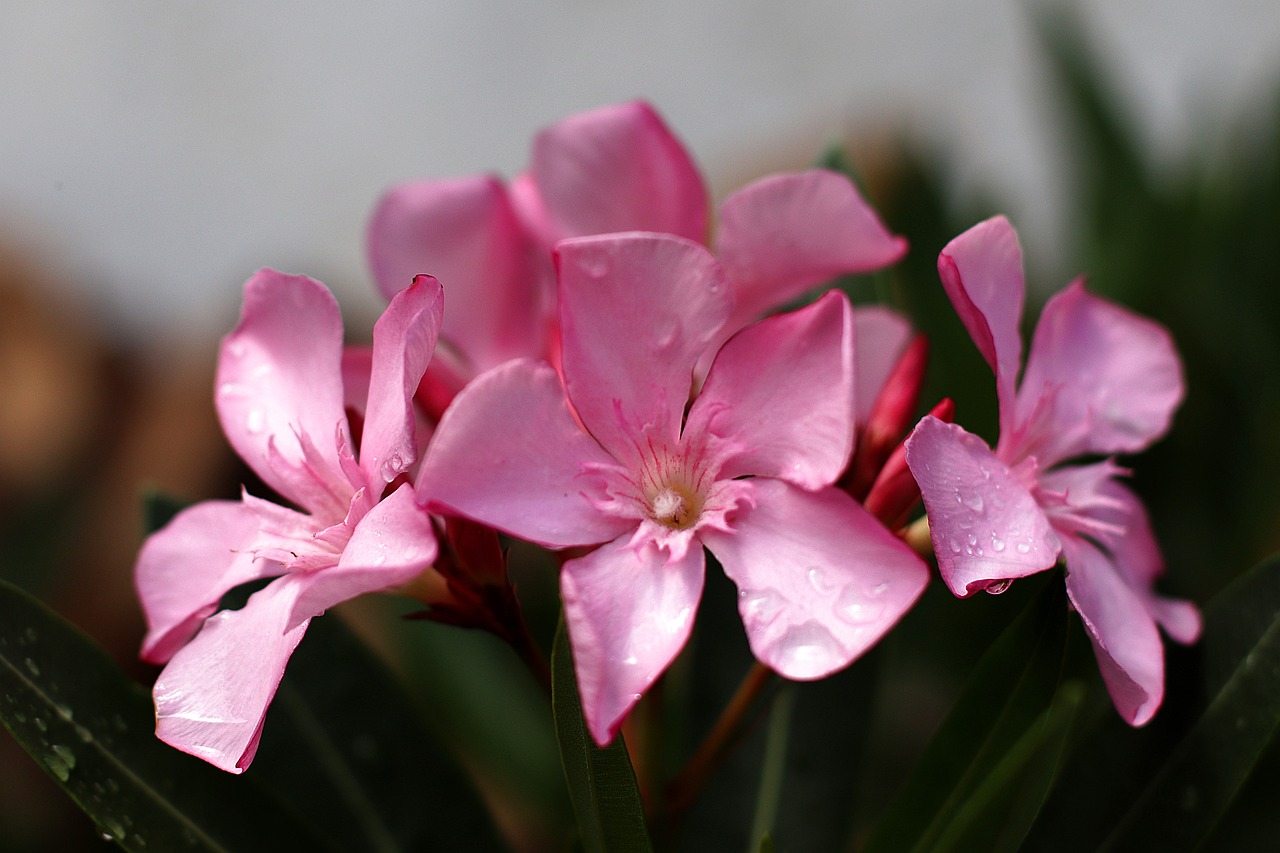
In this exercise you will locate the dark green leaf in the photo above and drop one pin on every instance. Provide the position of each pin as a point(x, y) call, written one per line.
point(344, 746)
point(92, 730)
point(999, 711)
point(1241, 648)
point(601, 782)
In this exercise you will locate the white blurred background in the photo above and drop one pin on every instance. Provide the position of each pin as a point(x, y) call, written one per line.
point(153, 154)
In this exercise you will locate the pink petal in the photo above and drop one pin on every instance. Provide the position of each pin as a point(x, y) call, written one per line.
point(636, 312)
point(279, 389)
point(819, 580)
point(617, 168)
point(985, 524)
point(403, 340)
point(1136, 557)
point(213, 695)
point(466, 234)
point(628, 612)
point(508, 453)
point(880, 337)
point(185, 567)
point(782, 390)
point(981, 271)
point(1123, 633)
point(392, 544)
point(1116, 377)
point(785, 234)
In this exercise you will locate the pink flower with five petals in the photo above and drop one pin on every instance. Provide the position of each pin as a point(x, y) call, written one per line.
point(280, 400)
point(607, 457)
point(614, 169)
point(1099, 380)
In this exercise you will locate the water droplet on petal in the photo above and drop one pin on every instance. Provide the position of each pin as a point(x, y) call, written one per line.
point(997, 587)
point(806, 651)
point(255, 421)
point(1023, 548)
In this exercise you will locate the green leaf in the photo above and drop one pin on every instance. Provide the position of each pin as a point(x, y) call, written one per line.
point(1195, 785)
point(344, 746)
point(601, 782)
point(997, 719)
point(92, 730)
point(1168, 785)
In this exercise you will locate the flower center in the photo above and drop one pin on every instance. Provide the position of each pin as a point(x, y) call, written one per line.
point(675, 506)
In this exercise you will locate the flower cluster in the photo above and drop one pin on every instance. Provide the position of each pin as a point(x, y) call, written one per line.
point(610, 382)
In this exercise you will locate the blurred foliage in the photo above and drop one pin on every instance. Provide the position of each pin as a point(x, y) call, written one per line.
point(945, 714)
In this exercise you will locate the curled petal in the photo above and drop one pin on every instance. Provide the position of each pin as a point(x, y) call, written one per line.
point(617, 168)
point(1136, 557)
point(985, 524)
point(466, 234)
point(800, 364)
point(185, 567)
point(819, 580)
point(279, 391)
point(403, 341)
point(636, 313)
point(880, 337)
point(628, 611)
point(1123, 633)
point(213, 695)
point(390, 546)
point(1114, 378)
point(785, 234)
point(981, 271)
point(509, 453)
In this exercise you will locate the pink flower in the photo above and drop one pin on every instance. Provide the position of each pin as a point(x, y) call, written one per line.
point(280, 399)
point(608, 457)
point(1099, 381)
point(613, 169)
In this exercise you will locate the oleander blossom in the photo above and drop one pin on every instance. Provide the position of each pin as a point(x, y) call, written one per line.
point(1098, 381)
point(607, 457)
point(280, 398)
point(613, 169)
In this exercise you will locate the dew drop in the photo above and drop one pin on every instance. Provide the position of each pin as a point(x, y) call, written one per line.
point(41, 724)
point(880, 589)
point(114, 828)
point(1023, 548)
point(955, 546)
point(818, 580)
point(974, 502)
point(84, 734)
point(972, 538)
point(997, 544)
point(32, 668)
point(997, 587)
point(255, 421)
point(64, 752)
point(30, 634)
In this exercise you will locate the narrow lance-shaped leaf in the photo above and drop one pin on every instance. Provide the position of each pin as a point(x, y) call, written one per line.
point(1168, 785)
point(602, 784)
point(344, 746)
point(92, 729)
point(1011, 686)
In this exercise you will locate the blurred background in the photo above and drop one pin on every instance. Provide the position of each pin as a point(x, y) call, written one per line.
point(152, 155)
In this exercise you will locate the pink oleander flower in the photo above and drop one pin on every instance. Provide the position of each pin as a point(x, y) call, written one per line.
point(280, 398)
point(613, 169)
point(607, 457)
point(1099, 381)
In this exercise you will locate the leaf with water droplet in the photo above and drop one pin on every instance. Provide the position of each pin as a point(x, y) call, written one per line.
point(91, 729)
